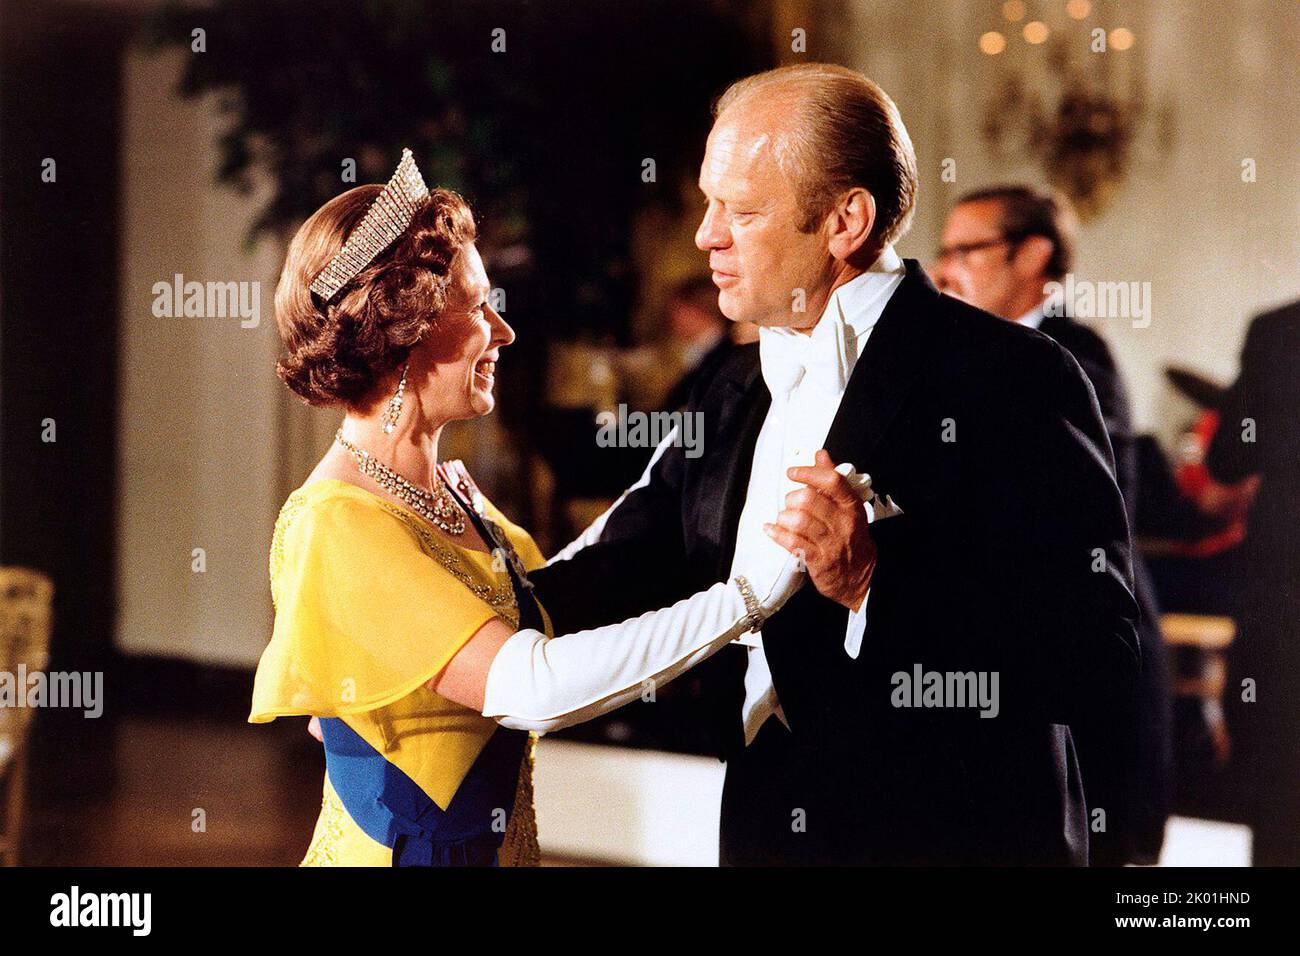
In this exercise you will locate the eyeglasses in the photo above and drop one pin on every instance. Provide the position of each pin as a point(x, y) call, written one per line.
point(963, 249)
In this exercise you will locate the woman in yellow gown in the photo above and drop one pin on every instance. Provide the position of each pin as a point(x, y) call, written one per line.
point(349, 567)
point(404, 618)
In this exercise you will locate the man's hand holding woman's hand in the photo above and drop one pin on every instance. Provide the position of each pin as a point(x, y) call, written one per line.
point(826, 525)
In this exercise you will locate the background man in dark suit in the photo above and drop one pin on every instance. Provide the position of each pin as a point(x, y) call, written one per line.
point(855, 729)
point(702, 333)
point(1259, 434)
point(1001, 247)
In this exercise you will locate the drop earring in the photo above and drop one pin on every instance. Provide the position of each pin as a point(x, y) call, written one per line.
point(394, 409)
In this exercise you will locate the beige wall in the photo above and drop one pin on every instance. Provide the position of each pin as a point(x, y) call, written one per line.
point(201, 418)
point(1215, 249)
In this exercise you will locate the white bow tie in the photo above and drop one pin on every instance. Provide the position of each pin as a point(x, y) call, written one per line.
point(790, 358)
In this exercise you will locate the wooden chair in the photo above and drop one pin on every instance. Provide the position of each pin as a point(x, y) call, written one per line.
point(25, 618)
point(1202, 639)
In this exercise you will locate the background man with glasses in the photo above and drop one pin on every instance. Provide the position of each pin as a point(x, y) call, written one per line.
point(1001, 247)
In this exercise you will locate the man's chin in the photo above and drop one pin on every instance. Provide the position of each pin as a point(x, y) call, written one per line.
point(737, 310)
point(781, 320)
point(729, 307)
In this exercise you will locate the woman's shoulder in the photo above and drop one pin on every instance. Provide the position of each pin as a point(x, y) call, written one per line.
point(327, 512)
point(328, 500)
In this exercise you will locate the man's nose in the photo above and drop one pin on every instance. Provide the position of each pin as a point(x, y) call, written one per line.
point(940, 272)
point(712, 233)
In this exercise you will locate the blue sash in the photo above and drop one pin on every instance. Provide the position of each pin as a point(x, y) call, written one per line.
point(394, 810)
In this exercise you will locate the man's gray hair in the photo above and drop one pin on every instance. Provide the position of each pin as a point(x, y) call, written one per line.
point(847, 133)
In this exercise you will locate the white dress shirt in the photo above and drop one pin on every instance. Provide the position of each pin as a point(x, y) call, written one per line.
point(807, 375)
point(1033, 318)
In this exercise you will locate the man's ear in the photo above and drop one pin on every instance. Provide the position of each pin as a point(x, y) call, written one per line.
point(851, 222)
point(1032, 255)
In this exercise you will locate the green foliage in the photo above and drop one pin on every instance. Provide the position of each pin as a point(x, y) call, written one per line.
point(546, 139)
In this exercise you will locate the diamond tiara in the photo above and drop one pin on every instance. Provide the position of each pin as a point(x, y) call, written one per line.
point(385, 220)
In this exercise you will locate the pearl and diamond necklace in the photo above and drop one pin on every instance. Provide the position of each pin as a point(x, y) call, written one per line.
point(437, 506)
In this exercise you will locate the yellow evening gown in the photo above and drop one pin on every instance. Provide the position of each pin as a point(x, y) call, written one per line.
point(371, 603)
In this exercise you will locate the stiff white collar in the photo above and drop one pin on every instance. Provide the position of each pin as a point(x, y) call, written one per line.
point(827, 355)
point(1033, 318)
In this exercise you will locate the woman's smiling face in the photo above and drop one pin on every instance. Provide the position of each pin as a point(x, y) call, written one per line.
point(454, 369)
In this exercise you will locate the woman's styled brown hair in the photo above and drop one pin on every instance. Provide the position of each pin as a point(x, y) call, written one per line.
point(339, 352)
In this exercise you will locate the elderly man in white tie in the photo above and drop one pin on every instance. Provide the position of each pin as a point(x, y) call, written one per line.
point(996, 553)
point(806, 370)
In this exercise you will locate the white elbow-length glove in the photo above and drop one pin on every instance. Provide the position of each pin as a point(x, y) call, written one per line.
point(540, 684)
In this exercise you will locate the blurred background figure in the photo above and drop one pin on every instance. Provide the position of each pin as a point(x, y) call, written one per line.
point(1198, 522)
point(700, 335)
point(1001, 247)
point(1190, 528)
point(689, 340)
point(1259, 435)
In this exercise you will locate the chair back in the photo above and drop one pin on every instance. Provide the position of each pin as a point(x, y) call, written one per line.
point(26, 619)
